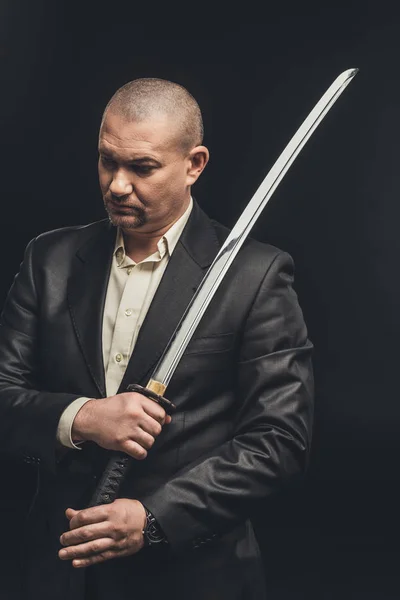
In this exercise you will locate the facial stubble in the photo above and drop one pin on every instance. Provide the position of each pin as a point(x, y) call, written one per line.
point(124, 220)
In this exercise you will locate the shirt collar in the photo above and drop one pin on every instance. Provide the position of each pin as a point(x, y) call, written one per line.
point(166, 244)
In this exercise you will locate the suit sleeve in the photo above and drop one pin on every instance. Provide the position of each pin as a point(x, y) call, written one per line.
point(272, 432)
point(29, 415)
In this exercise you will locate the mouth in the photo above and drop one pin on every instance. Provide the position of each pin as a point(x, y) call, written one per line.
point(123, 208)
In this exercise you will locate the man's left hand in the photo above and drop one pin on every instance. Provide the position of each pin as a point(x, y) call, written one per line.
point(103, 532)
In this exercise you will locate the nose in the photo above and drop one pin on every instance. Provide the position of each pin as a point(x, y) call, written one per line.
point(120, 185)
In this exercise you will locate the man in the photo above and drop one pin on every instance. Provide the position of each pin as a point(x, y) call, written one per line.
point(91, 311)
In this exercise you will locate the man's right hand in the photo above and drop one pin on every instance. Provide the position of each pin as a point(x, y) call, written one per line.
point(127, 422)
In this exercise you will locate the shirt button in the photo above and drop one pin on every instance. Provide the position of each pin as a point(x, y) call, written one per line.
point(118, 357)
point(128, 312)
point(129, 270)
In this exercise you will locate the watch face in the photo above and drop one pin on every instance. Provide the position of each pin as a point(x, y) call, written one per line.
point(152, 532)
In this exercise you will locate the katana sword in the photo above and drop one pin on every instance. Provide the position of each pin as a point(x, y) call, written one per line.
point(119, 462)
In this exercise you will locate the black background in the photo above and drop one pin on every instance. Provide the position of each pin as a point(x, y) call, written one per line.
point(337, 212)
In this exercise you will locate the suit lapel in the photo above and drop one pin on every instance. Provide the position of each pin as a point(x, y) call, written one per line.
point(187, 266)
point(87, 289)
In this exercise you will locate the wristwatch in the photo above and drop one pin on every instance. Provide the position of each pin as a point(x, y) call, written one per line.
point(152, 532)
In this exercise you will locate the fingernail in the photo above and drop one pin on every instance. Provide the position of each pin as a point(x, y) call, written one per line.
point(63, 553)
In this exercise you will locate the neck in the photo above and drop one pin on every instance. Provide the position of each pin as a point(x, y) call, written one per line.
point(141, 245)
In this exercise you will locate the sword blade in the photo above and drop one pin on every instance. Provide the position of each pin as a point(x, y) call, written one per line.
point(176, 347)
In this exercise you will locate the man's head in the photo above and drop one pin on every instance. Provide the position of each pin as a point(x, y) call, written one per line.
point(150, 154)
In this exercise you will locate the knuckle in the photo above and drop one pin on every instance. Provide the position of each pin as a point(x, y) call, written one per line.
point(113, 530)
point(125, 445)
point(150, 441)
point(134, 411)
point(96, 547)
point(80, 518)
point(117, 537)
point(83, 534)
point(120, 438)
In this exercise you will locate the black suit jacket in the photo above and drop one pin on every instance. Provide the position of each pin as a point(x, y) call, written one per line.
point(242, 429)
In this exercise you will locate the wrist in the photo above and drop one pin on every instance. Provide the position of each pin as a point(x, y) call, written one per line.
point(142, 511)
point(80, 431)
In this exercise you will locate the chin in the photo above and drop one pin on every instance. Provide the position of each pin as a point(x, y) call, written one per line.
point(126, 221)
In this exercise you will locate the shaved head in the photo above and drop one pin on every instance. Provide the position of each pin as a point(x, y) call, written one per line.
point(146, 99)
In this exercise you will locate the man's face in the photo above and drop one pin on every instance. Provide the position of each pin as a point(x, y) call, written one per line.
point(144, 175)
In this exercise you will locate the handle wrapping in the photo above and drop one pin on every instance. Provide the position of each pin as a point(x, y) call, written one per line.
point(112, 478)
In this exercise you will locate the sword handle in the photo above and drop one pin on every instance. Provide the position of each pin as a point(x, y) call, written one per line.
point(119, 463)
point(111, 479)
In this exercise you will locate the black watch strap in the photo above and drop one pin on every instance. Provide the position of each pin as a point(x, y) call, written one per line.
point(152, 532)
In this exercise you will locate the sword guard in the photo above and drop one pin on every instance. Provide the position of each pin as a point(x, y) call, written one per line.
point(163, 402)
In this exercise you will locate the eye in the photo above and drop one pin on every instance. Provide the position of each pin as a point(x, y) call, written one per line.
point(143, 169)
point(106, 161)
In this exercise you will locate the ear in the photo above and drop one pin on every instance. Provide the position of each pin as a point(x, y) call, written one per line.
point(198, 158)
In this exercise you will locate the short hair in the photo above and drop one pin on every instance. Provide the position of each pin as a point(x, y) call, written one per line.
point(143, 98)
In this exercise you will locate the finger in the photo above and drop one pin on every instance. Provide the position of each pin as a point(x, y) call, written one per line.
point(70, 513)
point(87, 516)
point(143, 438)
point(150, 425)
point(105, 555)
point(154, 410)
point(134, 449)
point(88, 549)
point(88, 533)
point(97, 558)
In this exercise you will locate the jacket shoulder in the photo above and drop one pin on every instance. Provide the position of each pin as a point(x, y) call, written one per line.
point(71, 234)
point(58, 246)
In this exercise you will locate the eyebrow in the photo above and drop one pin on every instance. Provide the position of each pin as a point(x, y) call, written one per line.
point(145, 159)
point(140, 160)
